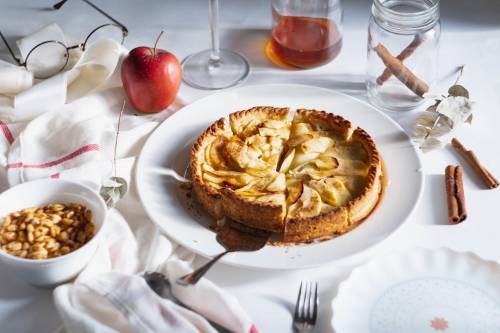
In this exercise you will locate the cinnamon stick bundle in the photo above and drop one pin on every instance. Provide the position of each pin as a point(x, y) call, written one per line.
point(396, 67)
point(489, 180)
point(457, 211)
point(407, 51)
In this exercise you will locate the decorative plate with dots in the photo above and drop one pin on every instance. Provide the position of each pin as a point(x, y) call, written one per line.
point(422, 291)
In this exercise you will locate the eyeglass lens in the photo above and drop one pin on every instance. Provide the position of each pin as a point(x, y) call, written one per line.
point(47, 59)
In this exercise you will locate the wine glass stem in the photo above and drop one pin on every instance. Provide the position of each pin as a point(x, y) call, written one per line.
point(213, 13)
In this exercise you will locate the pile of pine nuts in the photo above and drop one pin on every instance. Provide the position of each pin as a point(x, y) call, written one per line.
point(46, 232)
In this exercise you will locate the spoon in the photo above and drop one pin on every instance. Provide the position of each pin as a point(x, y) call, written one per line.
point(171, 173)
point(233, 239)
point(161, 286)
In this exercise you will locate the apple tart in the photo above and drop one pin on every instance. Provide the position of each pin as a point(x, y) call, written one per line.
point(306, 179)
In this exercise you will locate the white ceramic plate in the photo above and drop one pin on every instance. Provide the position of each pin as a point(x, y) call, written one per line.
point(170, 144)
point(422, 291)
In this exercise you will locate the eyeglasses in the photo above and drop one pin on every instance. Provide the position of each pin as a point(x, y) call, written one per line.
point(51, 57)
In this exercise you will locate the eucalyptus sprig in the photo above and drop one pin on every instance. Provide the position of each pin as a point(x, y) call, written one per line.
point(444, 115)
point(115, 187)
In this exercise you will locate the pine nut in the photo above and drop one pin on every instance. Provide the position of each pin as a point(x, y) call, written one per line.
point(46, 232)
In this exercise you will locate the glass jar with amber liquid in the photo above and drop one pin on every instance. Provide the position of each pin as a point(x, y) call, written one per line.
point(306, 33)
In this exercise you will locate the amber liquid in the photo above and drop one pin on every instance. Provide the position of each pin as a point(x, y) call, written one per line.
point(305, 41)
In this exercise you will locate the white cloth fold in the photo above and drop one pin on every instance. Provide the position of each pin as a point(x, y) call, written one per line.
point(93, 72)
point(51, 31)
point(14, 79)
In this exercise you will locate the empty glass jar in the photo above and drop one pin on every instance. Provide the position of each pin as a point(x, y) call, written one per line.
point(403, 38)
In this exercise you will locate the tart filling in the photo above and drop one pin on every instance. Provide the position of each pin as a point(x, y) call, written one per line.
point(307, 179)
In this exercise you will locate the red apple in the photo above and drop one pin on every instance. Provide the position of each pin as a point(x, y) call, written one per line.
point(151, 78)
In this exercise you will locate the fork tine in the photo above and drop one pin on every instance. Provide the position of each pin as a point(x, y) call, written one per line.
point(316, 304)
point(305, 301)
point(310, 305)
point(297, 305)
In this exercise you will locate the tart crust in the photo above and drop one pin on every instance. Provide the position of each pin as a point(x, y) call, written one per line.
point(222, 201)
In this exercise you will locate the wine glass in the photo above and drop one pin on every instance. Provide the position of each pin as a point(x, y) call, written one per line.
point(214, 68)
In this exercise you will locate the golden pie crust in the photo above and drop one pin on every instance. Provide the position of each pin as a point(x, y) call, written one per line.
point(307, 179)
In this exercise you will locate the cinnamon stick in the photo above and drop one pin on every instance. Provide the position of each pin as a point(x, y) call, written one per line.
point(488, 179)
point(449, 176)
point(396, 67)
point(407, 51)
point(457, 211)
point(460, 194)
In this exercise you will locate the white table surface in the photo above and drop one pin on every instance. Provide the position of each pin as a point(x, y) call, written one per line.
point(470, 28)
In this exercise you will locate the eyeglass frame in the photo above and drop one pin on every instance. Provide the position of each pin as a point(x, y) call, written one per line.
point(81, 46)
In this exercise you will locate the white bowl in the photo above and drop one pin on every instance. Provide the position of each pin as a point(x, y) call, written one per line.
point(54, 271)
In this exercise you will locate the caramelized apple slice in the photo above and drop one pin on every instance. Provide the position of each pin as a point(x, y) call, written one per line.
point(355, 184)
point(273, 161)
point(215, 157)
point(317, 145)
point(255, 187)
point(256, 141)
point(272, 123)
point(283, 133)
point(309, 202)
point(298, 140)
point(299, 129)
point(249, 129)
point(341, 193)
point(326, 162)
point(236, 151)
point(294, 188)
point(277, 199)
point(287, 161)
point(332, 191)
point(324, 191)
point(278, 184)
point(301, 158)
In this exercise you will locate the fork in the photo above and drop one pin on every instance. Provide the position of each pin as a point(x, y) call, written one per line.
point(306, 308)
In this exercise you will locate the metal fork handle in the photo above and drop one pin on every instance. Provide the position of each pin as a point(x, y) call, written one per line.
point(194, 277)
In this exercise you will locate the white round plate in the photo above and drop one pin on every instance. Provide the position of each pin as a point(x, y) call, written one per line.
point(170, 144)
point(422, 291)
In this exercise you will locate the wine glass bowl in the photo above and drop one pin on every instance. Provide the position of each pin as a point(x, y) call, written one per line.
point(201, 71)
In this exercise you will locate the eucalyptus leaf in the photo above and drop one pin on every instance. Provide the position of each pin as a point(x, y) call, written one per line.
point(431, 144)
point(420, 131)
point(439, 130)
point(456, 108)
point(426, 119)
point(458, 90)
point(112, 183)
point(434, 106)
point(469, 120)
point(113, 190)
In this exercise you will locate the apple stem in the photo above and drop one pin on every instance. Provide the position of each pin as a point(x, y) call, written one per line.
point(156, 42)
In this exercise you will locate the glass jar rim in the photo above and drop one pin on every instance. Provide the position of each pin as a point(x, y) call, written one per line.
point(420, 19)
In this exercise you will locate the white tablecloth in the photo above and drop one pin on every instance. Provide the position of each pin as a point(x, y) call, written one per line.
point(470, 29)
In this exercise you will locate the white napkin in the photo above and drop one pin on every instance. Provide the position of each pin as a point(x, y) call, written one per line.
point(91, 71)
point(14, 79)
point(51, 31)
point(111, 296)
